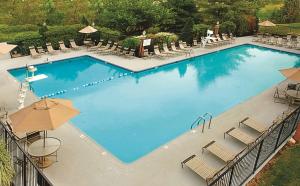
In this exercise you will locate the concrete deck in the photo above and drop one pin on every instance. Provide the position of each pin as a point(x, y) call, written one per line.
point(83, 162)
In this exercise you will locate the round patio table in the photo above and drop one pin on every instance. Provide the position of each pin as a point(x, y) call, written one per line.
point(38, 150)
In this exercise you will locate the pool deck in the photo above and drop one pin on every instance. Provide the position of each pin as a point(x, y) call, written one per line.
point(83, 162)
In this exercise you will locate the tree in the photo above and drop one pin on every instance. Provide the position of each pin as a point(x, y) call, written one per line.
point(291, 11)
point(53, 16)
point(133, 16)
point(187, 31)
point(183, 10)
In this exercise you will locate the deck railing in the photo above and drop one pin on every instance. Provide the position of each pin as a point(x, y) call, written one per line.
point(245, 165)
point(26, 172)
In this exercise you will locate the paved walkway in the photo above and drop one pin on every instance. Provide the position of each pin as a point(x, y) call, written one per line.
point(83, 162)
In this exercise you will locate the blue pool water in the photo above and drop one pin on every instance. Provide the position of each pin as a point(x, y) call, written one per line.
point(132, 114)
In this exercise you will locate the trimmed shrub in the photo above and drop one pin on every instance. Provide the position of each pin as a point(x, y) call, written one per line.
point(163, 37)
point(131, 42)
point(26, 39)
point(153, 30)
point(108, 34)
point(227, 27)
point(64, 33)
point(200, 30)
point(17, 28)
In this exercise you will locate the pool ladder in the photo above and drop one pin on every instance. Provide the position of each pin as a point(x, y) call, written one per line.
point(202, 119)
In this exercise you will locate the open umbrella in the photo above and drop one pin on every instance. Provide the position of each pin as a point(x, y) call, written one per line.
point(291, 73)
point(46, 114)
point(88, 30)
point(267, 23)
point(6, 48)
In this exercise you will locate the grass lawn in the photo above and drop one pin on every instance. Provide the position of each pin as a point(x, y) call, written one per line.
point(284, 170)
point(266, 11)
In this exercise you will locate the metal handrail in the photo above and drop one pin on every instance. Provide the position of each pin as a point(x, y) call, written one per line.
point(210, 118)
point(197, 122)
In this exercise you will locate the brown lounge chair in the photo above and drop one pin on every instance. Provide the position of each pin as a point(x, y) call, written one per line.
point(106, 47)
point(219, 151)
point(200, 167)
point(130, 54)
point(63, 47)
point(158, 53)
point(110, 50)
point(259, 127)
point(240, 136)
point(173, 47)
point(167, 51)
point(94, 48)
point(74, 45)
point(33, 52)
point(50, 49)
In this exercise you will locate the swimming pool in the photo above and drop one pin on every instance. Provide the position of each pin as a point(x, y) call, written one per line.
point(131, 114)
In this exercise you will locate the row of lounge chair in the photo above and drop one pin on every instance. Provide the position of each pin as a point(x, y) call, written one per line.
point(288, 42)
point(196, 164)
point(112, 48)
point(38, 51)
point(217, 40)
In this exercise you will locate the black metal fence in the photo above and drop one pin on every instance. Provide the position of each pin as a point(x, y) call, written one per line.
point(245, 165)
point(26, 172)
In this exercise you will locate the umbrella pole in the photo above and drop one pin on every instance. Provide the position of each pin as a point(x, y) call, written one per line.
point(44, 138)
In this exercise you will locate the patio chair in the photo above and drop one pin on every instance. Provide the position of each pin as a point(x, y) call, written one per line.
point(110, 50)
point(200, 167)
point(62, 47)
point(33, 52)
point(253, 124)
point(297, 47)
point(173, 47)
point(221, 152)
point(106, 47)
point(271, 41)
point(158, 53)
point(225, 38)
point(40, 50)
point(118, 50)
point(240, 136)
point(183, 46)
point(130, 54)
point(167, 51)
point(3, 113)
point(232, 38)
point(196, 44)
point(219, 39)
point(27, 137)
point(280, 96)
point(50, 49)
point(94, 48)
point(289, 44)
point(74, 45)
point(279, 42)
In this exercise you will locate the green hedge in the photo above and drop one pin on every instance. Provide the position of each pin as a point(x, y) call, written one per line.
point(131, 42)
point(107, 34)
point(26, 39)
point(282, 30)
point(64, 33)
point(17, 28)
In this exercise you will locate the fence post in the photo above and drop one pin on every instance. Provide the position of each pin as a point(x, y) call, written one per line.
point(258, 154)
point(24, 167)
point(279, 134)
point(296, 121)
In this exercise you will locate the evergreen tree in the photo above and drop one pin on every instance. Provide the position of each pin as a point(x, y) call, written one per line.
point(187, 31)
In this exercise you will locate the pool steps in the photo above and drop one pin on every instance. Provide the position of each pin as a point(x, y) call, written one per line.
point(202, 119)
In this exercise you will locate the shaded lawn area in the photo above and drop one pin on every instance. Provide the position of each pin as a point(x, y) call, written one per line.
point(285, 170)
